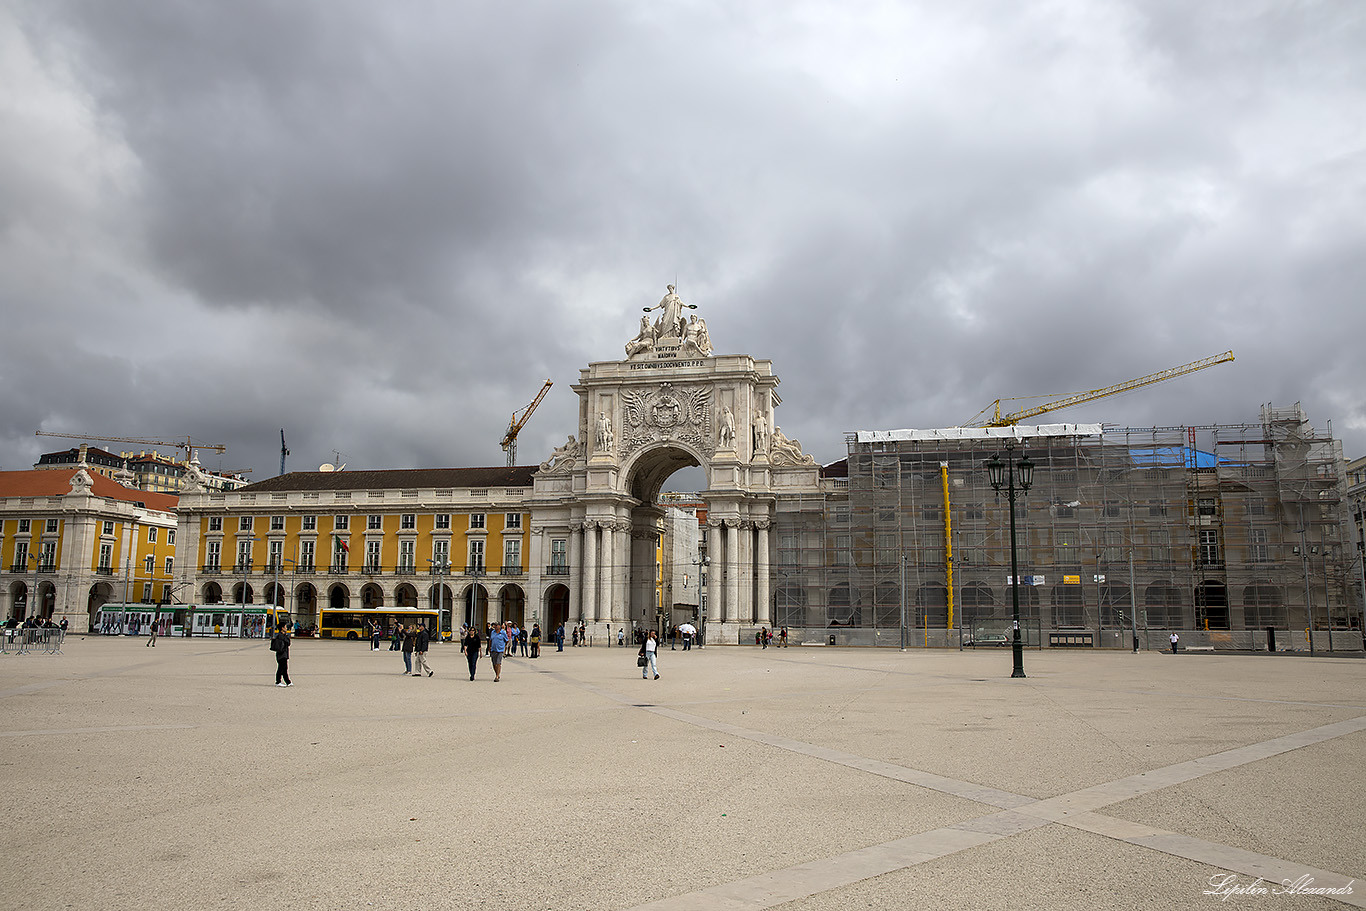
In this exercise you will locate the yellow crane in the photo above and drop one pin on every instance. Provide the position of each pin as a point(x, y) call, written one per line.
point(1006, 420)
point(515, 425)
point(189, 445)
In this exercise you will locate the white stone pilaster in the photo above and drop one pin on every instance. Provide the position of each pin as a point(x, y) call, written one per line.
point(761, 571)
point(590, 572)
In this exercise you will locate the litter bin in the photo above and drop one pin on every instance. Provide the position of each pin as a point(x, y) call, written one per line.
point(831, 639)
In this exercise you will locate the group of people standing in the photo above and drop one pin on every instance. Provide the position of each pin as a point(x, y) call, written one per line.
point(499, 640)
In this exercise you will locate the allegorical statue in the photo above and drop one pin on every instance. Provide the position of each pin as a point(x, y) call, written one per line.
point(670, 323)
point(562, 457)
point(696, 339)
point(787, 452)
point(642, 342)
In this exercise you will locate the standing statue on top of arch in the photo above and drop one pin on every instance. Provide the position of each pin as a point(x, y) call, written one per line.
point(671, 323)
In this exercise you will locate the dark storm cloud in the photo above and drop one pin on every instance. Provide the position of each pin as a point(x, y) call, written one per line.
point(381, 226)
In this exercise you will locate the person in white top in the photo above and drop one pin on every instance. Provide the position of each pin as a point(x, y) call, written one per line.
point(650, 650)
point(1175, 640)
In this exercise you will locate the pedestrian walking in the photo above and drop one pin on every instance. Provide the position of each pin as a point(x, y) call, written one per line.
point(498, 646)
point(279, 644)
point(535, 640)
point(420, 652)
point(650, 649)
point(559, 638)
point(408, 636)
point(782, 638)
point(152, 634)
point(470, 644)
point(1176, 640)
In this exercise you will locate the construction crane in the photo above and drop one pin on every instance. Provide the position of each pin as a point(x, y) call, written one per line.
point(1006, 420)
point(189, 445)
point(515, 425)
point(283, 450)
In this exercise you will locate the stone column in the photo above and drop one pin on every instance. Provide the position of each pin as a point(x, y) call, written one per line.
point(732, 528)
point(621, 598)
point(589, 607)
point(642, 574)
point(574, 581)
point(744, 533)
point(715, 569)
point(761, 572)
point(607, 572)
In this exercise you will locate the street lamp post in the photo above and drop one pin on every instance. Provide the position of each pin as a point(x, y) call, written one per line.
point(440, 568)
point(1003, 474)
point(242, 608)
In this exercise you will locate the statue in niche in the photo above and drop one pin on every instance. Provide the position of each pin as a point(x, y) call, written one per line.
point(760, 435)
point(562, 457)
point(605, 435)
point(643, 342)
point(787, 452)
point(726, 429)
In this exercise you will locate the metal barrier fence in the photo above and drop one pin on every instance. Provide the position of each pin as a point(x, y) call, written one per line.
point(31, 641)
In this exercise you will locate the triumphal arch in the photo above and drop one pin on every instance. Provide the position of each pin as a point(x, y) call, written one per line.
point(672, 403)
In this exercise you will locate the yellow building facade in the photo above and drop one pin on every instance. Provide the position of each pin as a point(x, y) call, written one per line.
point(457, 540)
point(73, 540)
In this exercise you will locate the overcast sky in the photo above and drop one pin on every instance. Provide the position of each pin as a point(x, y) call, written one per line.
point(381, 226)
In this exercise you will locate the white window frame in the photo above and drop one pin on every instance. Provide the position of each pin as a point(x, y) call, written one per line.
point(477, 520)
point(443, 521)
point(215, 523)
point(407, 521)
point(152, 534)
point(277, 523)
point(310, 523)
point(374, 523)
point(512, 553)
point(512, 520)
point(245, 523)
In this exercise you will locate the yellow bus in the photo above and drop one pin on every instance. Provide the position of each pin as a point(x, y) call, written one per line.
point(357, 623)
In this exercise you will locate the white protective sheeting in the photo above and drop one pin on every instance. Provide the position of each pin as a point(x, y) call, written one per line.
point(980, 433)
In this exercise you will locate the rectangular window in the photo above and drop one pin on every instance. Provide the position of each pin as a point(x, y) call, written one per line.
point(49, 557)
point(341, 523)
point(1112, 508)
point(1156, 508)
point(52, 526)
point(1159, 540)
point(244, 523)
point(557, 553)
point(306, 555)
point(1205, 506)
point(1209, 547)
point(443, 521)
point(215, 524)
point(276, 556)
point(170, 561)
point(106, 556)
point(310, 523)
point(441, 555)
point(213, 556)
point(513, 520)
point(243, 556)
point(1256, 506)
point(842, 545)
point(512, 553)
point(277, 523)
point(374, 523)
point(148, 564)
point(151, 536)
point(886, 549)
point(372, 556)
point(170, 536)
point(1113, 551)
point(1258, 549)
point(20, 557)
point(1066, 537)
point(408, 521)
point(25, 526)
point(108, 528)
point(476, 520)
point(407, 556)
point(476, 555)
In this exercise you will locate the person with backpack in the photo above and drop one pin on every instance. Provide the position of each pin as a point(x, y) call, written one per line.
point(279, 644)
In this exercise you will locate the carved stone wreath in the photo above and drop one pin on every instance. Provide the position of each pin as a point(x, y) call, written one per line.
point(682, 413)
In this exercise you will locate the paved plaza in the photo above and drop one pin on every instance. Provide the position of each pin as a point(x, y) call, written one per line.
point(810, 779)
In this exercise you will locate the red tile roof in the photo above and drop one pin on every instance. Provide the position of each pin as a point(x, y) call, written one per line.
point(57, 483)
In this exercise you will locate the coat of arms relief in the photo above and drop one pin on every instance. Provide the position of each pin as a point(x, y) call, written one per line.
point(667, 412)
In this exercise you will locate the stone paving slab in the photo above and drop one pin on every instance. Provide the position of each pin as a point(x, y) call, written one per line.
point(820, 778)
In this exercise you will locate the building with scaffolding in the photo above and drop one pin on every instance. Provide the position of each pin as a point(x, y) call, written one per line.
point(1223, 531)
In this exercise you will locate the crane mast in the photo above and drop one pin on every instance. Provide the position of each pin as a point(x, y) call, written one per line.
point(515, 425)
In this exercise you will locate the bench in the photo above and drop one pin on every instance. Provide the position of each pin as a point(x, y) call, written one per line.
point(1197, 648)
